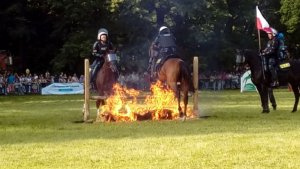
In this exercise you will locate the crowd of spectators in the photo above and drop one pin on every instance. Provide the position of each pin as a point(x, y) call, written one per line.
point(138, 81)
point(219, 80)
point(27, 83)
point(207, 81)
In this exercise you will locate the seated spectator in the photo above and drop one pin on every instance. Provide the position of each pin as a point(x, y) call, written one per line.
point(75, 78)
point(19, 88)
point(10, 83)
point(35, 83)
point(69, 80)
point(28, 83)
point(42, 81)
point(81, 79)
point(62, 78)
point(2, 85)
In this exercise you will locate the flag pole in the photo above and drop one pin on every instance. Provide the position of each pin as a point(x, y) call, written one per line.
point(262, 60)
point(258, 30)
point(259, 48)
point(259, 42)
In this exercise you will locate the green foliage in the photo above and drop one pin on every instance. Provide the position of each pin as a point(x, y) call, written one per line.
point(290, 17)
point(72, 53)
point(290, 14)
point(61, 32)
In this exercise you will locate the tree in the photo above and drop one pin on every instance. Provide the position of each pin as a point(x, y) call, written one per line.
point(290, 17)
point(58, 34)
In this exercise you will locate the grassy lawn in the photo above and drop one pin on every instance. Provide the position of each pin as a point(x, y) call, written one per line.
point(40, 132)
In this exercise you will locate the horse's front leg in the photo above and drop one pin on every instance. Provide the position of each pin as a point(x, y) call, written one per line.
point(263, 93)
point(272, 98)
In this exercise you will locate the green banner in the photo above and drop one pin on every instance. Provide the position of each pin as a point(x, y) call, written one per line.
point(246, 82)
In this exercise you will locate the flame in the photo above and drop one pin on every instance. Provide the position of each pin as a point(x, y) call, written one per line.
point(123, 105)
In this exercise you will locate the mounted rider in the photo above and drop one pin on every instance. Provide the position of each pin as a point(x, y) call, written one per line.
point(270, 56)
point(100, 49)
point(163, 46)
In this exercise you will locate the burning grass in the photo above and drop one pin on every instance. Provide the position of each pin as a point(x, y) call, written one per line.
point(161, 104)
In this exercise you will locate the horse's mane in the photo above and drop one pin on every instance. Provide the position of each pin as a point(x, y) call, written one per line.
point(250, 52)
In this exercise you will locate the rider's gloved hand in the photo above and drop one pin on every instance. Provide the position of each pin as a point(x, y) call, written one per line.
point(261, 51)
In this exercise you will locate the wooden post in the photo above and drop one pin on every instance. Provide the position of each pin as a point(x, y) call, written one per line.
point(86, 114)
point(195, 80)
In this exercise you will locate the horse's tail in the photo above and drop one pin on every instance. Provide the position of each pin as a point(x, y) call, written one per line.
point(185, 76)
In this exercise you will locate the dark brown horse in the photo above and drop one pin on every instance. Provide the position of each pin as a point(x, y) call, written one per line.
point(262, 80)
point(106, 77)
point(175, 73)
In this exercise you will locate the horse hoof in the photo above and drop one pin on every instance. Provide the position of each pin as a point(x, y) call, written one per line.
point(274, 107)
point(293, 111)
point(183, 118)
point(265, 111)
point(181, 114)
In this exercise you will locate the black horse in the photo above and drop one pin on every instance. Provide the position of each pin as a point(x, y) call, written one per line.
point(262, 79)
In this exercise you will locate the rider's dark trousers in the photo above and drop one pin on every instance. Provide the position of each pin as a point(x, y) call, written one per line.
point(95, 67)
point(270, 65)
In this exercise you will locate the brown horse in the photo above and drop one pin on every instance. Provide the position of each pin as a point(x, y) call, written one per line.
point(106, 77)
point(175, 73)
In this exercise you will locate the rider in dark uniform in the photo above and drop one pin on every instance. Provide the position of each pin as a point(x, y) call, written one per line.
point(270, 56)
point(163, 45)
point(100, 49)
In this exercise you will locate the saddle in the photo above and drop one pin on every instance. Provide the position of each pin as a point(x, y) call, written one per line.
point(284, 65)
point(283, 57)
point(162, 58)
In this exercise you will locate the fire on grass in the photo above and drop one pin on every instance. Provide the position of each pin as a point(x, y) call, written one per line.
point(125, 105)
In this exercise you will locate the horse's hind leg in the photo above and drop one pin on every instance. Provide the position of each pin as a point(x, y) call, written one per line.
point(296, 94)
point(272, 98)
point(181, 114)
point(185, 101)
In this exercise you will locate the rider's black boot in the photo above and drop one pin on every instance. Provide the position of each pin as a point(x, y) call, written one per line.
point(93, 79)
point(274, 78)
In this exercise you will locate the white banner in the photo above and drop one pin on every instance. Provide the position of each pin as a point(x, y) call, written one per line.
point(246, 82)
point(63, 88)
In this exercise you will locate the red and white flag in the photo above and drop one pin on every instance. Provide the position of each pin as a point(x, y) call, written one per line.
point(261, 22)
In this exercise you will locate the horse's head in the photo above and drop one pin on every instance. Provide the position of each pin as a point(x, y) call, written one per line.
point(111, 60)
point(250, 59)
point(107, 75)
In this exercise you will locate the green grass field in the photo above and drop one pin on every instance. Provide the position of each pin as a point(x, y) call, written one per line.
point(40, 132)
